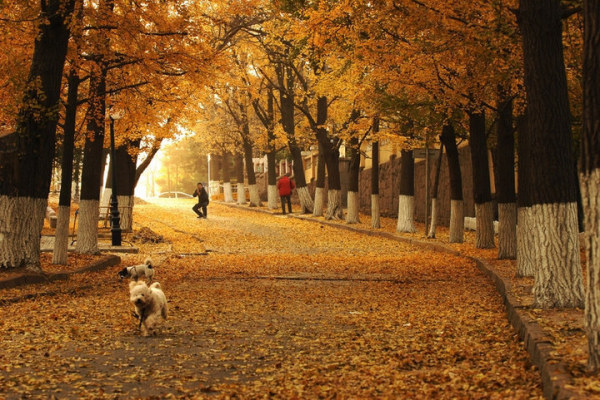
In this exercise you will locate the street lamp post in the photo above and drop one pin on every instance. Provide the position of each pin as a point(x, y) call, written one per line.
point(115, 217)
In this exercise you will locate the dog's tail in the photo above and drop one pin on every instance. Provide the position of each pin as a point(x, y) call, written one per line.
point(155, 285)
point(148, 262)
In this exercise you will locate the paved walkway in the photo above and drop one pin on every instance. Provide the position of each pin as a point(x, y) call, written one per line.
point(279, 308)
point(47, 244)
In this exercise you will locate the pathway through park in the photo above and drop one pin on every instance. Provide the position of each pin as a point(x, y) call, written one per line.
point(278, 307)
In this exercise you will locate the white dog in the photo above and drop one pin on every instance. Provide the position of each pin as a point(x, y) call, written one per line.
point(150, 304)
point(136, 271)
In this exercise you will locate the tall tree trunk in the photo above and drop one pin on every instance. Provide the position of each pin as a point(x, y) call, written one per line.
point(375, 214)
point(272, 192)
point(149, 157)
point(558, 276)
point(457, 222)
point(227, 190)
point(505, 179)
point(482, 195)
point(252, 187)
point(77, 165)
point(406, 199)
point(330, 147)
point(61, 237)
point(434, 193)
point(320, 184)
point(26, 156)
point(125, 185)
point(525, 249)
point(239, 170)
point(590, 176)
point(285, 77)
point(91, 176)
point(352, 216)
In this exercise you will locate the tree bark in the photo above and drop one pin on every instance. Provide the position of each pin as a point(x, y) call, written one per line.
point(125, 186)
point(26, 156)
point(558, 277)
point(272, 193)
point(330, 147)
point(227, 190)
point(457, 223)
point(434, 193)
point(91, 176)
point(239, 168)
point(590, 176)
point(406, 199)
point(286, 80)
point(482, 194)
point(525, 263)
point(375, 213)
point(252, 187)
point(61, 236)
point(352, 216)
point(77, 165)
point(320, 184)
point(144, 164)
point(505, 179)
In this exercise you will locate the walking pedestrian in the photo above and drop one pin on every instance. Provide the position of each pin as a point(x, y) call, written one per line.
point(202, 201)
point(285, 186)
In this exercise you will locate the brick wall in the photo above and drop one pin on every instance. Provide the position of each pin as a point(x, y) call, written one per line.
point(389, 180)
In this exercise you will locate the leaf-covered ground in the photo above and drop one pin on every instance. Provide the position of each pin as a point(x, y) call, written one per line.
point(267, 306)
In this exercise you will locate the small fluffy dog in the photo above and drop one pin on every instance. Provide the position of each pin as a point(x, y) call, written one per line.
point(136, 271)
point(150, 303)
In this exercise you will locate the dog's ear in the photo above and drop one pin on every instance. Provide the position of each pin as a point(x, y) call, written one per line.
point(132, 284)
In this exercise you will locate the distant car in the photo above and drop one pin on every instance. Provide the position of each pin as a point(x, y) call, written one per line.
point(175, 195)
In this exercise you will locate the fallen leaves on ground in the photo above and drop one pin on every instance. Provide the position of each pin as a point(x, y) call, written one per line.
point(277, 307)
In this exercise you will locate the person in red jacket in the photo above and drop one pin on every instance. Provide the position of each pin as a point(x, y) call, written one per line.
point(285, 186)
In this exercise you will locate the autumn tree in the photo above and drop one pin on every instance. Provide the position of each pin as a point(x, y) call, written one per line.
point(558, 280)
point(27, 154)
point(375, 213)
point(590, 176)
point(505, 178)
point(484, 213)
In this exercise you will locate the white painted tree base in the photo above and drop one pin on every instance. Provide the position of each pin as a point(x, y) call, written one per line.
point(306, 202)
point(484, 226)
point(241, 194)
point(272, 197)
point(375, 213)
point(525, 264)
point(507, 231)
point(21, 222)
point(61, 236)
point(334, 205)
point(433, 225)
point(406, 214)
point(590, 194)
point(352, 216)
point(457, 221)
point(227, 192)
point(87, 229)
point(558, 275)
point(318, 205)
point(254, 196)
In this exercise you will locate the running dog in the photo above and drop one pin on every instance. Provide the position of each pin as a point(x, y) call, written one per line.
point(150, 304)
point(136, 271)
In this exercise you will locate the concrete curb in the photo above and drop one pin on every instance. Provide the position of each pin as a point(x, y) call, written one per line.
point(554, 374)
point(29, 279)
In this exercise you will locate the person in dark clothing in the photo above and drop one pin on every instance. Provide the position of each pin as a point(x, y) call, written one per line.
point(202, 201)
point(285, 186)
